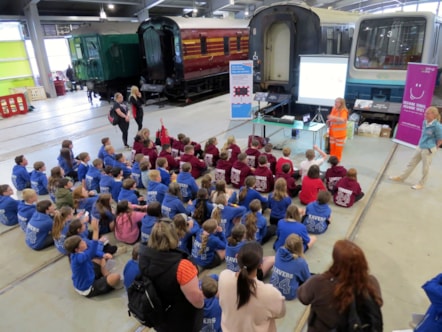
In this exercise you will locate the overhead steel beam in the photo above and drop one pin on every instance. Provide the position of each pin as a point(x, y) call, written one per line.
point(104, 2)
point(221, 4)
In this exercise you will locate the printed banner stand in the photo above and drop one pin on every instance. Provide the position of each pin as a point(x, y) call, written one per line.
point(419, 89)
point(241, 88)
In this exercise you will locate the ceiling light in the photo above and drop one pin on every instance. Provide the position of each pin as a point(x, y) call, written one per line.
point(110, 6)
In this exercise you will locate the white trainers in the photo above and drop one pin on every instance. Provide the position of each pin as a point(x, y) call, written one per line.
point(417, 187)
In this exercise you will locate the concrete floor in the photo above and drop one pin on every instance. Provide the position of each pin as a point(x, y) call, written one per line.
point(398, 228)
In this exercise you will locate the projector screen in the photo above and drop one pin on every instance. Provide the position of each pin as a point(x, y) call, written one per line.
point(322, 79)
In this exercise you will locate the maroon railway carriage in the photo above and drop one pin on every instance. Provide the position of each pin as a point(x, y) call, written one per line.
point(185, 57)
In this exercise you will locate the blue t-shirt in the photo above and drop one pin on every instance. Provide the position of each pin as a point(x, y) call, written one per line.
point(59, 243)
point(278, 208)
point(20, 177)
point(231, 252)
point(216, 241)
point(317, 217)
point(131, 270)
point(8, 210)
point(147, 224)
point(93, 177)
point(38, 229)
point(288, 273)
point(155, 192)
point(39, 182)
point(171, 206)
point(250, 196)
point(24, 214)
point(212, 315)
point(261, 226)
point(285, 228)
point(228, 214)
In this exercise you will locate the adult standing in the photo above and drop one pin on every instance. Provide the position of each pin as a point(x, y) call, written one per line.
point(429, 142)
point(71, 77)
point(123, 121)
point(332, 292)
point(175, 279)
point(247, 303)
point(137, 102)
point(337, 121)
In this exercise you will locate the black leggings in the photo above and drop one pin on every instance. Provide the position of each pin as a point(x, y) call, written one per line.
point(139, 118)
point(124, 127)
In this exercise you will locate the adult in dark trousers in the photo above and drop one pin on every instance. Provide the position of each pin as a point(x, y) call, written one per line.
point(137, 102)
point(71, 77)
point(123, 122)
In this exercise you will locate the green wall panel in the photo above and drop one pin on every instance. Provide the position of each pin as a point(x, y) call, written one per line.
point(12, 49)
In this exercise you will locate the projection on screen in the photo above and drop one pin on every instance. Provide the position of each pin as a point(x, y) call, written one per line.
point(322, 79)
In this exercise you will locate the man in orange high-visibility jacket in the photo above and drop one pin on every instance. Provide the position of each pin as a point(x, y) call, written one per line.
point(337, 120)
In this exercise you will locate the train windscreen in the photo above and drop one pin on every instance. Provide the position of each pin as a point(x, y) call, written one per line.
point(389, 43)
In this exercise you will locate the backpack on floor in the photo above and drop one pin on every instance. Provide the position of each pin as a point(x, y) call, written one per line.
point(144, 303)
point(112, 116)
point(364, 315)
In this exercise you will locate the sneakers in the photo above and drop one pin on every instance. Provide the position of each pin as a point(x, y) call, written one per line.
point(417, 187)
point(395, 178)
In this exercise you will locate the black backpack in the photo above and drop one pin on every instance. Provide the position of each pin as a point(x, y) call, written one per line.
point(364, 315)
point(144, 303)
point(113, 117)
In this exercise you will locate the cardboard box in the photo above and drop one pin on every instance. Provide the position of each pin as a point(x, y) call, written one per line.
point(386, 132)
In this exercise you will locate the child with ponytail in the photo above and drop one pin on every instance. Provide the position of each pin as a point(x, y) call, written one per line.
point(209, 247)
point(226, 215)
point(256, 224)
point(186, 229)
point(201, 208)
point(60, 227)
point(248, 304)
point(234, 243)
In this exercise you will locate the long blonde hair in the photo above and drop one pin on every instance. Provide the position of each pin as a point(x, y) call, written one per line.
point(230, 140)
point(293, 243)
point(280, 191)
point(133, 91)
point(60, 219)
point(220, 202)
point(209, 227)
point(251, 219)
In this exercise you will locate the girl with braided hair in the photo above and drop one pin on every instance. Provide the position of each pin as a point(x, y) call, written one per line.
point(226, 215)
point(209, 247)
point(256, 224)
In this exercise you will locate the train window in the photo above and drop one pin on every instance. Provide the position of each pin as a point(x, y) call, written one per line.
point(226, 45)
point(203, 41)
point(389, 43)
point(238, 43)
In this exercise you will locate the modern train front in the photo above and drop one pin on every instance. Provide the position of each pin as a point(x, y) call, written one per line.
point(383, 47)
point(278, 35)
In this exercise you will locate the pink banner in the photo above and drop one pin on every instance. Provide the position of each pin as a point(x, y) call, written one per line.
point(419, 89)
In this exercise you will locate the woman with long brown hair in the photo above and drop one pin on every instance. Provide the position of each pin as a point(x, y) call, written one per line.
point(332, 292)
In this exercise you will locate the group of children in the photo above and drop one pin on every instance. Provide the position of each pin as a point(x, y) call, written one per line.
point(212, 221)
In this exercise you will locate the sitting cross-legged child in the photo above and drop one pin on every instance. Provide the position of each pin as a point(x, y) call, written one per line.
point(89, 274)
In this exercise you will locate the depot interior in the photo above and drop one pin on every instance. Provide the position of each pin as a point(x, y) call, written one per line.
point(34, 54)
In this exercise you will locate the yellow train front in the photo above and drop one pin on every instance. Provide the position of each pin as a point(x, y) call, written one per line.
point(186, 57)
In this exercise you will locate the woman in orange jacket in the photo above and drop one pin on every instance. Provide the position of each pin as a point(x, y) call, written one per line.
point(337, 121)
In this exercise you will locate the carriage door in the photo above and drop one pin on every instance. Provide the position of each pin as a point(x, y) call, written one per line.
point(277, 53)
point(159, 48)
point(94, 65)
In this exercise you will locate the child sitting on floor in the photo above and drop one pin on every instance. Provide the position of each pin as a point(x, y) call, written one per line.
point(89, 274)
point(131, 269)
point(212, 309)
point(39, 180)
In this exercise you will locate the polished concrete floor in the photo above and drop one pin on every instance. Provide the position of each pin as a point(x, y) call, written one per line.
point(398, 228)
